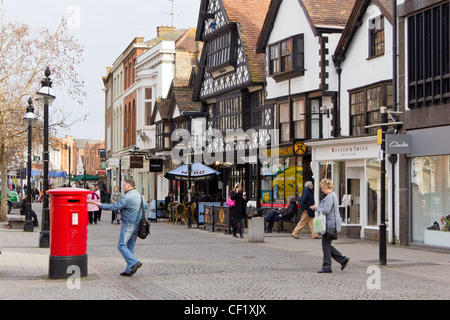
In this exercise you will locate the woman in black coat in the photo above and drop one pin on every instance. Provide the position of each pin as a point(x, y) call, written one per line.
point(238, 212)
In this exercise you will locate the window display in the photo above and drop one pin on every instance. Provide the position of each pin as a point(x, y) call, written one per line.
point(430, 200)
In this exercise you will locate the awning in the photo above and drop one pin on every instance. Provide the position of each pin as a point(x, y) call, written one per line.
point(199, 172)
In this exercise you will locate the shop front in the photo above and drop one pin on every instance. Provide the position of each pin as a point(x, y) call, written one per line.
point(283, 176)
point(353, 166)
point(429, 186)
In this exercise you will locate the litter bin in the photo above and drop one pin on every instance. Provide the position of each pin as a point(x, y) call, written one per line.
point(68, 232)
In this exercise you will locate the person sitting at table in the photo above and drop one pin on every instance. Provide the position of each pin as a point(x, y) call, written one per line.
point(285, 215)
point(168, 200)
point(203, 198)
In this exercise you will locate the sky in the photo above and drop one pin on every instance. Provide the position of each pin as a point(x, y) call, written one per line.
point(105, 28)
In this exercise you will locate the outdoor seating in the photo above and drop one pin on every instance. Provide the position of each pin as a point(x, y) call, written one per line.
point(172, 213)
point(163, 210)
point(181, 213)
point(193, 207)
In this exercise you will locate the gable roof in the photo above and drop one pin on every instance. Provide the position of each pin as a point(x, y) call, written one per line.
point(249, 15)
point(180, 95)
point(320, 14)
point(354, 21)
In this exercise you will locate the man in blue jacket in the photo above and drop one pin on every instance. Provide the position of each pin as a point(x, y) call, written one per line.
point(130, 204)
point(306, 200)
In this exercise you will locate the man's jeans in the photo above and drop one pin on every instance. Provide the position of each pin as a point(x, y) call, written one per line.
point(127, 241)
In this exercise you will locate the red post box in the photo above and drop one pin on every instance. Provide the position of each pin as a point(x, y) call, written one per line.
point(68, 231)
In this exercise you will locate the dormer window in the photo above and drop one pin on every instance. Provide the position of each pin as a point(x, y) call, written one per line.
point(286, 58)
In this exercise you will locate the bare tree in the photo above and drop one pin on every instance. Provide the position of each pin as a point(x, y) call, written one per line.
point(24, 55)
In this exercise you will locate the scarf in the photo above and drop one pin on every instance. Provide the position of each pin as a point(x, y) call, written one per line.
point(92, 196)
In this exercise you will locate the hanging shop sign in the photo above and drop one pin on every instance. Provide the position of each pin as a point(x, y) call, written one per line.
point(398, 144)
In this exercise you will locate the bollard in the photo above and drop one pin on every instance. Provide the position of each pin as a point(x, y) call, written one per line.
point(256, 229)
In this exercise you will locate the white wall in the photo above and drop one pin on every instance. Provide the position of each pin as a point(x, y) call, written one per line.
point(357, 70)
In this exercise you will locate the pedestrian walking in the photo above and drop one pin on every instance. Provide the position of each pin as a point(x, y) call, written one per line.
point(130, 205)
point(306, 201)
point(93, 200)
point(330, 208)
point(115, 197)
point(238, 211)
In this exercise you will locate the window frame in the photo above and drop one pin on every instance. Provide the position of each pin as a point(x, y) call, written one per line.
point(295, 65)
point(376, 49)
point(384, 98)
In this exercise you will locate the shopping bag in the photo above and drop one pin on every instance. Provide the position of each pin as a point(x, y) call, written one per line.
point(319, 223)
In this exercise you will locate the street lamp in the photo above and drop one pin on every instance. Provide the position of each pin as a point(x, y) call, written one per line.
point(46, 96)
point(30, 118)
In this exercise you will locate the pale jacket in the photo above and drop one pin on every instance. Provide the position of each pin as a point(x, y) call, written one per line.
point(329, 206)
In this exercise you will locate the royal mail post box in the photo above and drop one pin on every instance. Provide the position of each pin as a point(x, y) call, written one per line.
point(68, 232)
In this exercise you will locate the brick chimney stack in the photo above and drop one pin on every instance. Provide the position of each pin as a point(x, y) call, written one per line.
point(163, 30)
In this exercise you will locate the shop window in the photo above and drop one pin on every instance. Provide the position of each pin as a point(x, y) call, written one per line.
point(430, 200)
point(280, 179)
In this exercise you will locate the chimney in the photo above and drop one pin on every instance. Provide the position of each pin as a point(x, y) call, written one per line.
point(163, 30)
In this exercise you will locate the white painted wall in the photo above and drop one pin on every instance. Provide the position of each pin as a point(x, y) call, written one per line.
point(357, 71)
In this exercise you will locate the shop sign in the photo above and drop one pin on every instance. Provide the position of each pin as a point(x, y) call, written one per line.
point(136, 162)
point(299, 147)
point(156, 165)
point(398, 144)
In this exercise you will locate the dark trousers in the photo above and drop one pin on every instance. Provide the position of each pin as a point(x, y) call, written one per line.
point(271, 218)
point(330, 252)
point(93, 216)
point(236, 223)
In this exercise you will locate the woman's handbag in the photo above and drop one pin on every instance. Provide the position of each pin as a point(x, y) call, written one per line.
point(332, 236)
point(230, 203)
point(144, 225)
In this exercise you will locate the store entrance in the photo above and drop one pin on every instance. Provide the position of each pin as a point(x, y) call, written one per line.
point(354, 208)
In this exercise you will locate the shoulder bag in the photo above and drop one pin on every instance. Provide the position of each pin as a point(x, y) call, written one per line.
point(144, 225)
point(329, 235)
point(230, 203)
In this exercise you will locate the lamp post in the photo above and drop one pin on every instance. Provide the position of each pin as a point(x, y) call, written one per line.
point(46, 96)
point(68, 147)
point(30, 118)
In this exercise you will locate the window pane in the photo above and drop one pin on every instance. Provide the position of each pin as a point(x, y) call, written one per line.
point(299, 110)
point(284, 112)
point(148, 93)
point(285, 132)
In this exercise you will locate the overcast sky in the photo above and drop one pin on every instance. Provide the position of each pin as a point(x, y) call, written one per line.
point(104, 28)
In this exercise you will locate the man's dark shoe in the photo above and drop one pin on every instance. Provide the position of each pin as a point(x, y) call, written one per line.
point(345, 263)
point(134, 268)
point(324, 271)
point(125, 274)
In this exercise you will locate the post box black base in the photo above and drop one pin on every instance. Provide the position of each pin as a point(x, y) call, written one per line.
point(59, 266)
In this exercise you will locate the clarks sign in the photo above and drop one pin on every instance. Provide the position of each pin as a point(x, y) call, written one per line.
point(398, 144)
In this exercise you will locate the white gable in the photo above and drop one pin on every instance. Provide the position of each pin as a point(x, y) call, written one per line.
point(176, 112)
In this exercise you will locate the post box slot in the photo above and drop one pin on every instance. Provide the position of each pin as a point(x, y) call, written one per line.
point(73, 201)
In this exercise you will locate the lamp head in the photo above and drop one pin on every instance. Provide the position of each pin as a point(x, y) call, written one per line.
point(30, 117)
point(46, 93)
